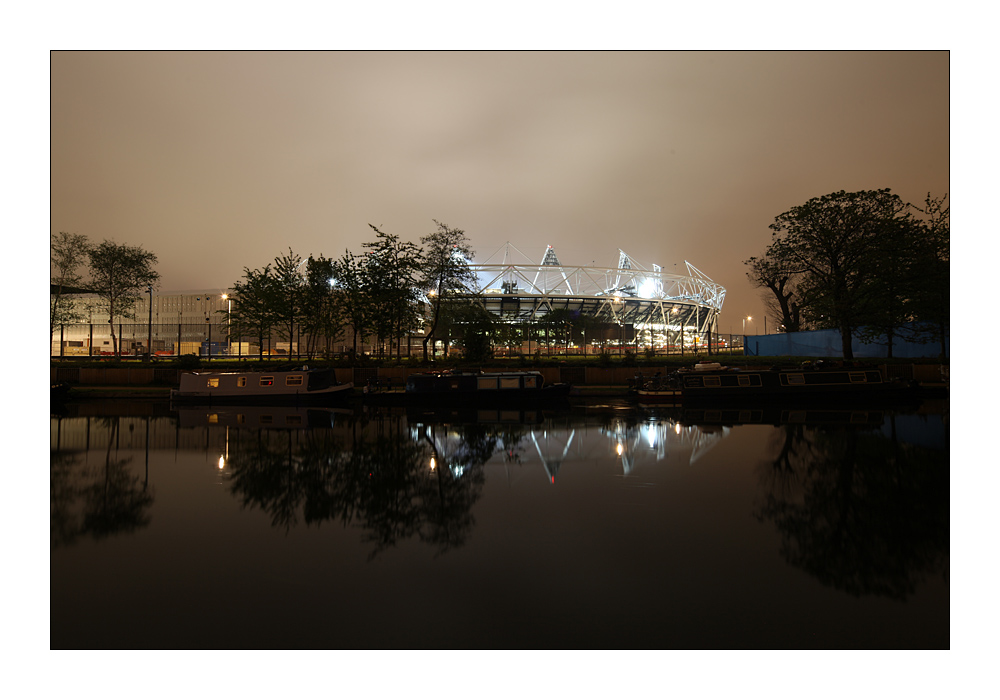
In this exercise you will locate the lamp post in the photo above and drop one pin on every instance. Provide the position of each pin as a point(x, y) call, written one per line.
point(229, 325)
point(149, 339)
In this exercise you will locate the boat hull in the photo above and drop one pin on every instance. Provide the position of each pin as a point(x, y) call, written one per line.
point(297, 387)
point(824, 385)
point(483, 388)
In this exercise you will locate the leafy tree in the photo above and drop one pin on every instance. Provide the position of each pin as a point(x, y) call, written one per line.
point(831, 242)
point(589, 326)
point(557, 325)
point(120, 274)
point(393, 268)
point(69, 253)
point(288, 293)
point(509, 330)
point(351, 281)
point(254, 311)
point(322, 310)
point(889, 284)
point(932, 300)
point(473, 325)
point(444, 271)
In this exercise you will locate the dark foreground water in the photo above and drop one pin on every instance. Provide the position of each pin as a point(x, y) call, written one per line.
point(611, 526)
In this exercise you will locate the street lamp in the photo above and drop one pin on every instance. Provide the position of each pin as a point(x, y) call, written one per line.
point(149, 339)
point(229, 324)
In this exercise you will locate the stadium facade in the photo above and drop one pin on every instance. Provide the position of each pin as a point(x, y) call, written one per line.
point(652, 308)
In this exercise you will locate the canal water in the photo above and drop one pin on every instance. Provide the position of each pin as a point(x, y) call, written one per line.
point(605, 525)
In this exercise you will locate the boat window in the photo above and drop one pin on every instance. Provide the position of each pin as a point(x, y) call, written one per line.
point(713, 381)
point(266, 418)
point(858, 377)
point(266, 381)
point(293, 419)
point(213, 382)
point(796, 379)
point(487, 383)
point(744, 381)
point(510, 383)
point(293, 380)
point(241, 381)
point(530, 382)
point(213, 417)
point(240, 418)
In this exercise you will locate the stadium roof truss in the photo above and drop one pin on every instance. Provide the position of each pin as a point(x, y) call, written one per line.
point(626, 294)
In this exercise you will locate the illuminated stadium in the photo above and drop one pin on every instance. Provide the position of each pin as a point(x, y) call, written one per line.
point(651, 308)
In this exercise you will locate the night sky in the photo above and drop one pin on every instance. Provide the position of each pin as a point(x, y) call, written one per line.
point(216, 161)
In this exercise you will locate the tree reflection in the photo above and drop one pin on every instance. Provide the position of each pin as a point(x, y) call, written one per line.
point(97, 502)
point(861, 511)
point(374, 476)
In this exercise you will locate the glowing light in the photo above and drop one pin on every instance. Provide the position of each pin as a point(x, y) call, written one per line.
point(222, 462)
point(677, 428)
point(647, 289)
point(433, 464)
point(619, 449)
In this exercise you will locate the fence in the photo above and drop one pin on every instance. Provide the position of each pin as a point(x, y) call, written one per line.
point(209, 340)
point(174, 340)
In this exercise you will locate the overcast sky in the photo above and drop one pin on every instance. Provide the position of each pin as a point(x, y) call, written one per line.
point(218, 161)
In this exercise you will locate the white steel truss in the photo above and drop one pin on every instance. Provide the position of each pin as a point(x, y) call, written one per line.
point(661, 308)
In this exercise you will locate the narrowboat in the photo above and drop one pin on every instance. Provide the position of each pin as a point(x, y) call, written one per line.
point(489, 386)
point(294, 386)
point(813, 381)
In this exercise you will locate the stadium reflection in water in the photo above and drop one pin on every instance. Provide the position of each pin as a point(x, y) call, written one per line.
point(608, 526)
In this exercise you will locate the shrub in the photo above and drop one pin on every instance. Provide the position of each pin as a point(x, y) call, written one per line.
point(188, 362)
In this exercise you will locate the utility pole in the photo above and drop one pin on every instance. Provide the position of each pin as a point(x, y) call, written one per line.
point(149, 340)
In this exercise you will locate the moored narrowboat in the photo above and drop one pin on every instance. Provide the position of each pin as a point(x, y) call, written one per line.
point(814, 382)
point(484, 385)
point(297, 386)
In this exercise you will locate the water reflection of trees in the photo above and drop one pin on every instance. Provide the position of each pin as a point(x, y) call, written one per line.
point(95, 501)
point(860, 510)
point(373, 476)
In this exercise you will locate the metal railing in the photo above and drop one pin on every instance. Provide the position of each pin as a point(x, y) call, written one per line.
point(210, 340)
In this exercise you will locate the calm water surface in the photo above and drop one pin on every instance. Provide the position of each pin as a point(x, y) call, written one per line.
point(611, 526)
